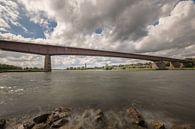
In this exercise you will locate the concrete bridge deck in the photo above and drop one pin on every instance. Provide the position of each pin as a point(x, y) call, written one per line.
point(51, 50)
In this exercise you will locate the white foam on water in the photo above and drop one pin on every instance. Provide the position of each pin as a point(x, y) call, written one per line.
point(5, 87)
point(2, 102)
point(2, 87)
point(19, 90)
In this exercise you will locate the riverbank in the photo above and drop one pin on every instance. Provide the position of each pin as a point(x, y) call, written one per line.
point(132, 69)
point(129, 69)
point(66, 118)
point(9, 71)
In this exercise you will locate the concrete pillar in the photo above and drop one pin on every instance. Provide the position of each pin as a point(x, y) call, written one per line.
point(159, 65)
point(176, 65)
point(47, 65)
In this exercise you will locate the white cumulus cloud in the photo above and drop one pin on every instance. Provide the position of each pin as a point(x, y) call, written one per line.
point(160, 27)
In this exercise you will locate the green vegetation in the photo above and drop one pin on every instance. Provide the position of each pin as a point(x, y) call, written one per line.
point(5, 67)
point(34, 69)
point(12, 68)
point(138, 66)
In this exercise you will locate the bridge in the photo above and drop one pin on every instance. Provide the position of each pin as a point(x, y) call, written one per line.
point(51, 50)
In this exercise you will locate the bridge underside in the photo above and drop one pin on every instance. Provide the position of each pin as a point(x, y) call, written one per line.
point(50, 50)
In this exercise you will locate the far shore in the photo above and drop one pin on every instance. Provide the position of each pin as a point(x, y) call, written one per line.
point(10, 71)
point(132, 69)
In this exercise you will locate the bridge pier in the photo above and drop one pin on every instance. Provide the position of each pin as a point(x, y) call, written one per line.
point(174, 65)
point(47, 63)
point(159, 65)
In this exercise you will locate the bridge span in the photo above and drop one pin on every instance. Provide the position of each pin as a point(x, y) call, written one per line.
point(51, 50)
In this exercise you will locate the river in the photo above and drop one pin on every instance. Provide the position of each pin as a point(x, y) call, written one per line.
point(166, 95)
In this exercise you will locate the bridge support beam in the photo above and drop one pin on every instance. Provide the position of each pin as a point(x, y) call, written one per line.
point(176, 65)
point(47, 63)
point(159, 65)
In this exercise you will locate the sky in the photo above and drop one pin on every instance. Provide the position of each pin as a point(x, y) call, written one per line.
point(155, 27)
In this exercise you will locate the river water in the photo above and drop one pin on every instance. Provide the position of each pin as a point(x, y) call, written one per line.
point(165, 95)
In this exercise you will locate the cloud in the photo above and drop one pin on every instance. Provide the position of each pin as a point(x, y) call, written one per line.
point(9, 14)
point(20, 59)
point(126, 19)
point(173, 31)
point(160, 27)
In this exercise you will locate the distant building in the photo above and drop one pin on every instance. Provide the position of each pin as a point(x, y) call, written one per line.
point(85, 66)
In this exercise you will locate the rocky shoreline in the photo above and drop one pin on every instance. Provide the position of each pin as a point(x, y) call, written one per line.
point(65, 118)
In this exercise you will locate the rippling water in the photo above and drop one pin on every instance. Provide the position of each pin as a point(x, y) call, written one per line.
point(166, 95)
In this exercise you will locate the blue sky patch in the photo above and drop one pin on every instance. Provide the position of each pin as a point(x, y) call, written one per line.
point(33, 30)
point(52, 24)
point(29, 29)
point(98, 30)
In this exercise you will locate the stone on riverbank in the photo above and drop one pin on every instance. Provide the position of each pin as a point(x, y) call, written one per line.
point(184, 126)
point(2, 123)
point(41, 118)
point(59, 123)
point(136, 117)
point(58, 114)
point(61, 109)
point(158, 125)
point(99, 116)
point(28, 125)
point(89, 119)
point(41, 126)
